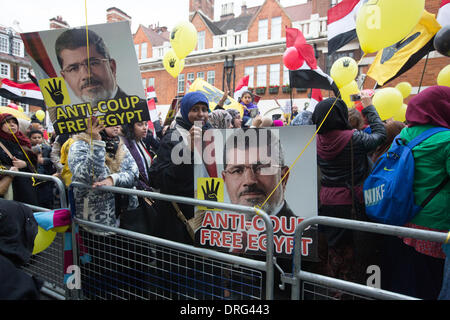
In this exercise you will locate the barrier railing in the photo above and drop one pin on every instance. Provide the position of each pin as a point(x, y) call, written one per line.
point(300, 275)
point(49, 264)
point(267, 266)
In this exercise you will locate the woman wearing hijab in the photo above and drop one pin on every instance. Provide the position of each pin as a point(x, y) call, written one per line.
point(172, 171)
point(15, 152)
point(419, 264)
point(236, 120)
point(343, 161)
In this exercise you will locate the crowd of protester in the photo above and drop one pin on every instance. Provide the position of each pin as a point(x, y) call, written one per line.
point(348, 144)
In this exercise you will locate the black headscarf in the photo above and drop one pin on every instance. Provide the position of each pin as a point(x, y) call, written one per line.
point(336, 120)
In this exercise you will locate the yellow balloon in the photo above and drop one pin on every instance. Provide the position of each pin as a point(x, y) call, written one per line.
point(172, 64)
point(387, 101)
point(183, 39)
point(404, 88)
point(343, 71)
point(19, 108)
point(443, 78)
point(43, 240)
point(383, 23)
point(40, 115)
point(401, 114)
point(347, 91)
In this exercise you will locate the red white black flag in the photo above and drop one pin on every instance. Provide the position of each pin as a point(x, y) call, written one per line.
point(27, 93)
point(443, 16)
point(342, 24)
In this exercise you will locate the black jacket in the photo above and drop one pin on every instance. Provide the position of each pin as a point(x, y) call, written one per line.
point(336, 172)
point(18, 229)
point(23, 189)
point(173, 179)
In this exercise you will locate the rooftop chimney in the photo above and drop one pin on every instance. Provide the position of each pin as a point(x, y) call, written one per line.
point(58, 23)
point(115, 14)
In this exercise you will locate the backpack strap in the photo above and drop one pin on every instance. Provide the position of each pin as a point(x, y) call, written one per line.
point(425, 135)
point(434, 192)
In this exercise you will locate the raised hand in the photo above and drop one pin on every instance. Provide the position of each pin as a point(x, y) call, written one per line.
point(210, 193)
point(55, 91)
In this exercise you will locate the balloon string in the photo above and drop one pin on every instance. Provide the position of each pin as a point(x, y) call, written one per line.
point(301, 153)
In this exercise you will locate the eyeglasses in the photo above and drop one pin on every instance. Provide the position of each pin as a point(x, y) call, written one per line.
point(92, 63)
point(257, 169)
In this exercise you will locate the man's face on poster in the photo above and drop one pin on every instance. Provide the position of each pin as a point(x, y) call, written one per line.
point(251, 175)
point(91, 81)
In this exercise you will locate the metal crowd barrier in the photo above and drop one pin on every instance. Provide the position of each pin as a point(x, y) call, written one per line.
point(130, 265)
point(300, 275)
point(49, 264)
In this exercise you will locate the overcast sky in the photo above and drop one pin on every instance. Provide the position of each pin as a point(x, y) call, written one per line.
point(34, 15)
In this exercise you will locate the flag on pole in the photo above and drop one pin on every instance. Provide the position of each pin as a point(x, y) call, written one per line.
point(443, 16)
point(151, 103)
point(342, 24)
point(395, 60)
point(27, 93)
point(241, 87)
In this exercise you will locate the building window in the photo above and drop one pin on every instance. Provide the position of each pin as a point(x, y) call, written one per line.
point(201, 75)
point(211, 77)
point(201, 40)
point(274, 75)
point(151, 82)
point(261, 72)
point(237, 39)
point(223, 41)
point(189, 80)
point(275, 32)
point(4, 70)
point(136, 48)
point(285, 76)
point(4, 44)
point(17, 48)
point(144, 83)
point(4, 101)
point(250, 71)
point(144, 50)
point(181, 83)
point(227, 8)
point(160, 52)
point(262, 30)
point(25, 107)
point(23, 74)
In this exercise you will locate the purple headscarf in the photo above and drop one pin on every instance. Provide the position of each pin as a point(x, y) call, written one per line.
point(431, 106)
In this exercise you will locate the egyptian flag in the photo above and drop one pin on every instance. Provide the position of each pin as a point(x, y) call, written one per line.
point(151, 103)
point(241, 87)
point(309, 75)
point(395, 60)
point(27, 93)
point(316, 97)
point(342, 24)
point(443, 16)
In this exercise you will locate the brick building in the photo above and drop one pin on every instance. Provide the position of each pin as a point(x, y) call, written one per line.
point(13, 64)
point(253, 42)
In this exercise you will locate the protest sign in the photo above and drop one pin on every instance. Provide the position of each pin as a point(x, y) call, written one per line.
point(88, 71)
point(246, 167)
